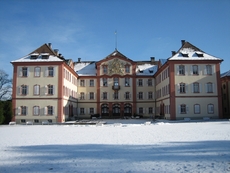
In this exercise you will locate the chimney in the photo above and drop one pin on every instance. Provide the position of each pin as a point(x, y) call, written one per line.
point(173, 53)
point(56, 51)
point(79, 59)
point(50, 45)
point(59, 54)
point(152, 59)
point(182, 42)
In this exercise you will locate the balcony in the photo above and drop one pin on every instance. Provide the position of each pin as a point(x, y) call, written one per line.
point(116, 86)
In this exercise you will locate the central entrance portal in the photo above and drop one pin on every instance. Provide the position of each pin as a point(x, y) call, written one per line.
point(116, 110)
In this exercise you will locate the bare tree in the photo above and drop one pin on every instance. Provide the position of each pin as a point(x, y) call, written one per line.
point(5, 86)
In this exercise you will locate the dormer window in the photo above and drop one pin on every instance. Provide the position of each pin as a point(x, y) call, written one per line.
point(45, 56)
point(150, 71)
point(34, 56)
point(199, 54)
point(184, 54)
point(141, 71)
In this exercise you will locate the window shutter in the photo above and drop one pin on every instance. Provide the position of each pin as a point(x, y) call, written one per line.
point(53, 90)
point(20, 72)
point(85, 111)
point(46, 89)
point(144, 110)
point(130, 82)
point(213, 69)
point(27, 89)
point(186, 70)
point(26, 110)
point(200, 87)
point(101, 81)
point(187, 109)
point(130, 95)
point(205, 70)
point(45, 110)
point(46, 71)
point(88, 95)
point(54, 71)
point(19, 90)
point(94, 96)
point(179, 110)
point(137, 95)
point(53, 110)
point(89, 110)
point(28, 71)
point(191, 70)
point(19, 110)
point(213, 88)
point(124, 95)
point(137, 82)
point(177, 70)
point(108, 96)
point(186, 88)
point(192, 88)
point(178, 88)
point(206, 87)
point(198, 69)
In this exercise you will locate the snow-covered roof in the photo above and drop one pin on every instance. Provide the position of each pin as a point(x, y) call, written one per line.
point(225, 74)
point(28, 58)
point(146, 69)
point(85, 68)
point(191, 54)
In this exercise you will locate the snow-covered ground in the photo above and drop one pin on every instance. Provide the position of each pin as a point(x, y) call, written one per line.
point(130, 146)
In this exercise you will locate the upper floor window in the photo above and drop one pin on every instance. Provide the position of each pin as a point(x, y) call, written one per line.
point(140, 82)
point(140, 95)
point(141, 110)
point(150, 110)
point(50, 71)
point(37, 71)
point(104, 95)
point(91, 82)
point(208, 70)
point(82, 96)
point(181, 70)
point(36, 89)
point(150, 95)
point(127, 82)
point(24, 71)
point(196, 87)
point(210, 108)
point(127, 68)
point(127, 95)
point(115, 81)
point(116, 95)
point(196, 109)
point(105, 82)
point(209, 87)
point(105, 69)
point(82, 111)
point(91, 111)
point(50, 110)
point(24, 89)
point(182, 88)
point(50, 89)
point(150, 82)
point(82, 83)
point(36, 110)
point(183, 109)
point(195, 70)
point(91, 95)
point(23, 110)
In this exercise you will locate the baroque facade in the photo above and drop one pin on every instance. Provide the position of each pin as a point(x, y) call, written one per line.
point(49, 87)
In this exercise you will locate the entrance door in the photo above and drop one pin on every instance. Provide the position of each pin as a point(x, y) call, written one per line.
point(127, 110)
point(104, 110)
point(116, 110)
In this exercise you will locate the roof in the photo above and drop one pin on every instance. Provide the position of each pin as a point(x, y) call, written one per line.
point(191, 52)
point(85, 68)
point(146, 69)
point(226, 74)
point(27, 58)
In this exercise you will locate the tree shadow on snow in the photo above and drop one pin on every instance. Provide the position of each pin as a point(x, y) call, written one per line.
point(113, 158)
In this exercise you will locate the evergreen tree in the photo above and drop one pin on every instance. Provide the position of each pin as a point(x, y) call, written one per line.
point(7, 111)
point(1, 113)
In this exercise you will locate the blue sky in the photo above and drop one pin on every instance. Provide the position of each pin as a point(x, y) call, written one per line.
point(85, 28)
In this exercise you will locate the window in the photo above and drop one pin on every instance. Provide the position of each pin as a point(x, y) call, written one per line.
point(104, 96)
point(127, 82)
point(36, 110)
point(182, 88)
point(82, 96)
point(115, 81)
point(181, 70)
point(91, 83)
point(116, 94)
point(91, 110)
point(150, 82)
point(49, 120)
point(24, 71)
point(105, 69)
point(50, 110)
point(23, 121)
point(23, 110)
point(50, 71)
point(183, 109)
point(150, 110)
point(24, 89)
point(82, 83)
point(141, 110)
point(196, 88)
point(82, 111)
point(105, 82)
point(150, 95)
point(127, 95)
point(91, 95)
point(50, 89)
point(37, 71)
point(209, 88)
point(195, 70)
point(140, 82)
point(127, 69)
point(36, 89)
point(36, 121)
point(196, 109)
point(140, 95)
point(209, 69)
point(210, 108)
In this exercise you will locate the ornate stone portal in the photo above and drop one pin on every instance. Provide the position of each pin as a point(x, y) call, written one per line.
point(116, 67)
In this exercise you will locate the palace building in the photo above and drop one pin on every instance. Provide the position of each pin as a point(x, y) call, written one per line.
point(49, 87)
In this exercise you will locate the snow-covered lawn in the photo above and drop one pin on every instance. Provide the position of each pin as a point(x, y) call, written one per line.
point(130, 146)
